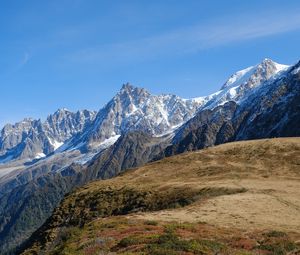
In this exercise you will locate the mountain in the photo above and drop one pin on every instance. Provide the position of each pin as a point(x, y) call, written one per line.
point(132, 109)
point(242, 83)
point(271, 109)
point(136, 127)
point(229, 199)
point(33, 139)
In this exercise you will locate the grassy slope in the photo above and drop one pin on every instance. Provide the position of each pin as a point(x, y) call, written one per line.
point(237, 198)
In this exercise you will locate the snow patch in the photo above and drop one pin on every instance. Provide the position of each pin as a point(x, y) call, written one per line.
point(280, 67)
point(239, 77)
point(55, 144)
point(103, 145)
point(199, 100)
point(297, 70)
point(232, 92)
point(40, 155)
point(108, 142)
point(134, 109)
point(171, 130)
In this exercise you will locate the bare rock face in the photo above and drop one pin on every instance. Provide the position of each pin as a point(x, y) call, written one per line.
point(63, 124)
point(33, 139)
point(12, 135)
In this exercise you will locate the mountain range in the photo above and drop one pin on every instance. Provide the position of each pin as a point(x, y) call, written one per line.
point(42, 161)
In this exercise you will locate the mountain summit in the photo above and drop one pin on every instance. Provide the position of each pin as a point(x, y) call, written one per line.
point(255, 75)
point(243, 82)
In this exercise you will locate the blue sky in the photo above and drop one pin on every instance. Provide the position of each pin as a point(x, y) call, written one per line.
point(78, 53)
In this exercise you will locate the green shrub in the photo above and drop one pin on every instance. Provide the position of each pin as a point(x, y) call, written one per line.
point(169, 243)
point(280, 247)
point(275, 233)
point(128, 241)
point(151, 222)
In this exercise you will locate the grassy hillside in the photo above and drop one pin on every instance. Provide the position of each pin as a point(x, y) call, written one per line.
point(236, 198)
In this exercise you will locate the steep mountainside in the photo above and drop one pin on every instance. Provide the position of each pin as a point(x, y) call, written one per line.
point(222, 186)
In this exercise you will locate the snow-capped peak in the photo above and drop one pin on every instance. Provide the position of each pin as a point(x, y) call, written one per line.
point(127, 86)
point(244, 81)
point(132, 92)
point(62, 110)
point(255, 74)
point(269, 63)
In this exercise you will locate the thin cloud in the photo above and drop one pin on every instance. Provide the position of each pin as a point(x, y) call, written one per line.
point(24, 60)
point(26, 57)
point(192, 39)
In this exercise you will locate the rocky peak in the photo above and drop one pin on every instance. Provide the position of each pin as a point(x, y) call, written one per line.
point(255, 75)
point(268, 61)
point(59, 114)
point(62, 110)
point(131, 93)
point(19, 128)
point(268, 68)
point(29, 137)
point(264, 71)
point(127, 86)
